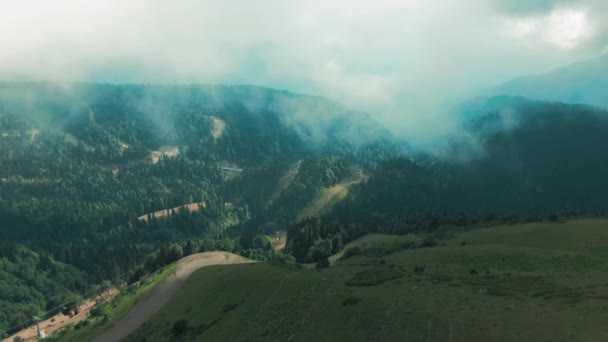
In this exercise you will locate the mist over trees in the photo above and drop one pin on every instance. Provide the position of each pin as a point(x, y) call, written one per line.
point(94, 179)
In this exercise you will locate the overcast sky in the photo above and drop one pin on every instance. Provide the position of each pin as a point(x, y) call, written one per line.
point(385, 56)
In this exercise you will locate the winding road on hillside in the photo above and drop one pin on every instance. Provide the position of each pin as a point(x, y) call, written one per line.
point(156, 298)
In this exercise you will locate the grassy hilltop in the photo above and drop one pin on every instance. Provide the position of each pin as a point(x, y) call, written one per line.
point(528, 282)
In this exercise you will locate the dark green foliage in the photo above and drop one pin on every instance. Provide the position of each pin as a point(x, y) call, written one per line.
point(31, 283)
point(348, 301)
point(516, 170)
point(428, 241)
point(82, 324)
point(180, 327)
point(312, 239)
point(229, 307)
point(351, 251)
point(322, 263)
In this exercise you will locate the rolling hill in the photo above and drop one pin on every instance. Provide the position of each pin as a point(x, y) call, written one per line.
point(540, 281)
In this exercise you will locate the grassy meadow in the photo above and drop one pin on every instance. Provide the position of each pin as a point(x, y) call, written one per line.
point(528, 282)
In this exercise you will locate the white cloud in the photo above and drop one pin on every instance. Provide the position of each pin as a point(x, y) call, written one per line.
point(562, 28)
point(401, 59)
point(568, 28)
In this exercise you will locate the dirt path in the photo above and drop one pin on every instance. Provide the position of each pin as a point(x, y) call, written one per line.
point(155, 299)
point(191, 207)
point(59, 321)
point(285, 181)
point(279, 239)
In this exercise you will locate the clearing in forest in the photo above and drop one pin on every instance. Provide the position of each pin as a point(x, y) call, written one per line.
point(329, 197)
point(167, 151)
point(219, 126)
point(191, 207)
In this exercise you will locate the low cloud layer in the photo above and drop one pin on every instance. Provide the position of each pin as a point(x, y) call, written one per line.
point(401, 60)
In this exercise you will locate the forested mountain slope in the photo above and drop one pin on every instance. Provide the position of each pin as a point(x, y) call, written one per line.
point(522, 161)
point(79, 163)
point(531, 157)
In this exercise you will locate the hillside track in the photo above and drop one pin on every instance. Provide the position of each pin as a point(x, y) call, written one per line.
point(159, 296)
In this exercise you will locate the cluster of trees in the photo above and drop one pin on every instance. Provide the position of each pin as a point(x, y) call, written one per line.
point(32, 282)
point(314, 239)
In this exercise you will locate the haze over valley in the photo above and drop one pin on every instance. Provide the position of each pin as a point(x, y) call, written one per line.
point(278, 171)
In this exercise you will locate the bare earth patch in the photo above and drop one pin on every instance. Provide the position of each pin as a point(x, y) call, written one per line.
point(191, 207)
point(219, 126)
point(167, 151)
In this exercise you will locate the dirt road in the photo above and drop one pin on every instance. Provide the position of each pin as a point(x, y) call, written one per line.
point(60, 320)
point(155, 299)
point(191, 207)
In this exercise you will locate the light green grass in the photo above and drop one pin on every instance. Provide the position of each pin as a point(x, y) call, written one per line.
point(532, 282)
point(116, 309)
point(327, 198)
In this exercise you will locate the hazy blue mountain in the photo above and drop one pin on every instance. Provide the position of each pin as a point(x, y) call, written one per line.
point(582, 83)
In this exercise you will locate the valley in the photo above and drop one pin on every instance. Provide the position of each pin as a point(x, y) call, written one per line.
point(360, 236)
point(304, 171)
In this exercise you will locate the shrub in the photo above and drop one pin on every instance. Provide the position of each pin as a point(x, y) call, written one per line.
point(98, 311)
point(229, 307)
point(350, 301)
point(82, 324)
point(350, 252)
point(419, 268)
point(323, 263)
point(180, 327)
point(428, 241)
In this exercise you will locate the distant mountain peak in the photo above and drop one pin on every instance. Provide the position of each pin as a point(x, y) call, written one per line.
point(583, 82)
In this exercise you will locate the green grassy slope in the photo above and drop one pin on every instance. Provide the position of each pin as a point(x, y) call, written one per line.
point(327, 198)
point(532, 282)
